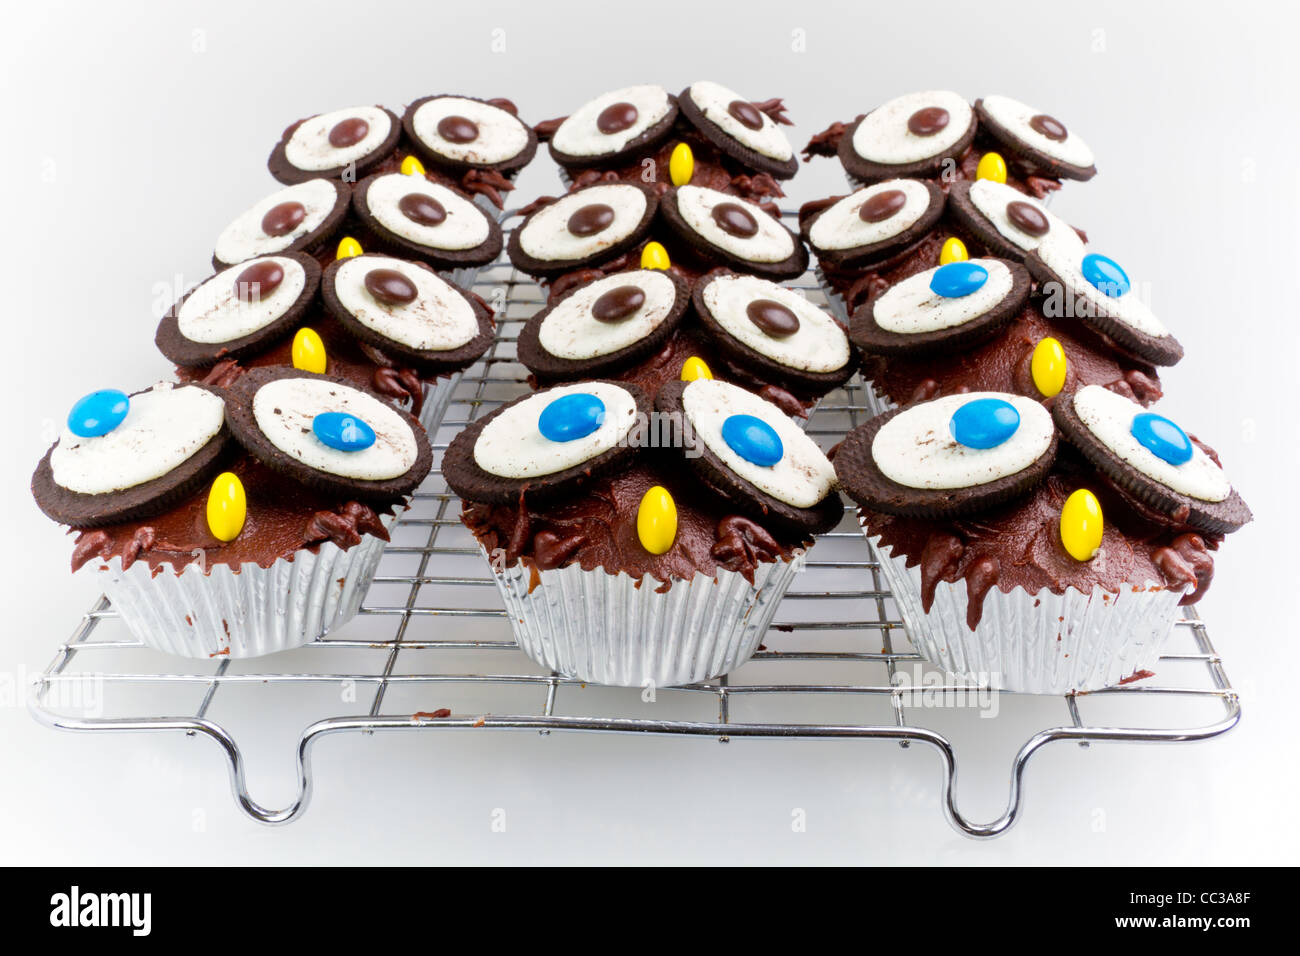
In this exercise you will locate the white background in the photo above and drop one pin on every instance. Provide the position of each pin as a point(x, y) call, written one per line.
point(130, 137)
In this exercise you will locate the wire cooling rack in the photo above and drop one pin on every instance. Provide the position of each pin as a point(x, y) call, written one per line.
point(431, 651)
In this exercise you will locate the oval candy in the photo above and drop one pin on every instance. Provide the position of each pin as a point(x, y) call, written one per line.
point(283, 218)
point(954, 250)
point(1048, 366)
point(591, 219)
point(992, 167)
point(343, 431)
point(309, 351)
point(753, 440)
point(98, 413)
point(957, 279)
point(618, 303)
point(735, 220)
point(655, 256)
point(882, 206)
point(390, 287)
point(681, 165)
point(1105, 274)
point(1082, 525)
point(348, 247)
point(571, 417)
point(695, 368)
point(656, 520)
point(411, 166)
point(984, 423)
point(227, 507)
point(1162, 437)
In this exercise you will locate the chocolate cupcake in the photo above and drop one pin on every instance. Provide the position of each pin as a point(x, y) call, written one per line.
point(239, 524)
point(634, 547)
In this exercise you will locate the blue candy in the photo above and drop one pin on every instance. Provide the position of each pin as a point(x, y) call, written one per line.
point(1162, 438)
point(1105, 274)
point(984, 423)
point(753, 439)
point(571, 417)
point(98, 413)
point(343, 431)
point(957, 279)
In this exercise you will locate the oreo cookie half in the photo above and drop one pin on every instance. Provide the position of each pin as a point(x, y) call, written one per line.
point(774, 331)
point(240, 310)
point(416, 216)
point(918, 134)
point(1151, 458)
point(1040, 142)
point(873, 224)
point(751, 453)
point(911, 318)
point(172, 441)
point(1008, 223)
point(915, 461)
point(276, 414)
point(548, 444)
point(1096, 291)
point(614, 127)
point(738, 128)
point(725, 229)
point(585, 227)
point(297, 218)
point(602, 327)
point(408, 311)
point(328, 145)
point(459, 133)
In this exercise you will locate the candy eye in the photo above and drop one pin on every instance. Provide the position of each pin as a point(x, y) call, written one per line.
point(753, 440)
point(343, 432)
point(984, 423)
point(1162, 437)
point(1040, 141)
point(958, 279)
point(613, 121)
point(98, 413)
point(571, 417)
point(1105, 274)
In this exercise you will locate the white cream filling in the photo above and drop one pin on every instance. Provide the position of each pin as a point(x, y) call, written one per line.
point(916, 449)
point(1110, 418)
point(578, 135)
point(546, 235)
point(818, 345)
point(713, 99)
point(992, 199)
point(309, 147)
point(909, 307)
point(214, 312)
point(512, 446)
point(501, 134)
point(1067, 262)
point(439, 319)
point(285, 407)
point(1014, 117)
point(883, 136)
point(772, 242)
point(841, 227)
point(571, 332)
point(465, 227)
point(244, 238)
point(163, 428)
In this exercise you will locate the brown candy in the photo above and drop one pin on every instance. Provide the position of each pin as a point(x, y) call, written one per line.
point(348, 132)
point(1028, 218)
point(618, 303)
point(1049, 126)
point(928, 121)
point(283, 218)
point(746, 114)
point(258, 281)
point(882, 206)
point(422, 209)
point(735, 219)
point(616, 118)
point(772, 317)
point(457, 129)
point(591, 219)
point(390, 287)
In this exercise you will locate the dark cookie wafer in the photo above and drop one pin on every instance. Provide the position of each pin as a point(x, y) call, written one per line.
point(378, 237)
point(711, 470)
point(551, 268)
point(864, 482)
point(442, 161)
point(871, 338)
point(1215, 517)
point(138, 502)
point(646, 142)
point(1030, 159)
point(798, 382)
point(791, 267)
point(551, 368)
point(877, 254)
point(871, 172)
point(289, 174)
point(969, 218)
point(472, 483)
point(715, 134)
point(425, 361)
point(244, 427)
point(1156, 349)
point(315, 239)
point(190, 354)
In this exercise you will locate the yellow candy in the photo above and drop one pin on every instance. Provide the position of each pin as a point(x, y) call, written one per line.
point(681, 165)
point(654, 256)
point(656, 520)
point(227, 507)
point(1081, 525)
point(694, 368)
point(348, 247)
point(992, 166)
point(954, 250)
point(412, 166)
point(309, 351)
point(1048, 366)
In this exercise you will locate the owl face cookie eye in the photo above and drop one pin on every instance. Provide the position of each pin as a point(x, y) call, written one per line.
point(876, 218)
point(609, 315)
point(913, 128)
point(607, 125)
point(335, 139)
point(286, 220)
point(425, 213)
point(738, 228)
point(1044, 137)
point(403, 302)
point(1011, 221)
point(931, 301)
point(468, 131)
point(241, 300)
point(740, 119)
point(587, 223)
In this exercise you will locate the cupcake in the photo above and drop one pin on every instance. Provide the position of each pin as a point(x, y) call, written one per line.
point(638, 541)
point(238, 523)
point(1034, 550)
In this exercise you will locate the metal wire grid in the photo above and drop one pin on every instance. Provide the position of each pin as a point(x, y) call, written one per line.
point(836, 638)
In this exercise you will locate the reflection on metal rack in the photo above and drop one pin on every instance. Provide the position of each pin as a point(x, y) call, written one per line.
point(836, 639)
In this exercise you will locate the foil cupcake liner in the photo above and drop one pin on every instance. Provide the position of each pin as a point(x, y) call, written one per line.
point(605, 628)
point(464, 277)
point(437, 398)
point(248, 611)
point(1044, 643)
